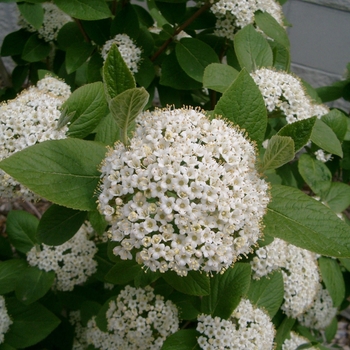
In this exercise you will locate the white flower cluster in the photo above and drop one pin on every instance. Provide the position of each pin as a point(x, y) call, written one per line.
point(130, 53)
point(284, 92)
point(71, 261)
point(295, 341)
point(321, 313)
point(300, 273)
point(248, 328)
point(54, 20)
point(26, 120)
point(322, 156)
point(235, 14)
point(137, 320)
point(184, 195)
point(5, 321)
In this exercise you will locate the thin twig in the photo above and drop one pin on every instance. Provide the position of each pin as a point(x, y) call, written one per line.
point(33, 209)
point(82, 30)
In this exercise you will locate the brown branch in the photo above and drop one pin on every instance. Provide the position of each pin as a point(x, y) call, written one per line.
point(82, 30)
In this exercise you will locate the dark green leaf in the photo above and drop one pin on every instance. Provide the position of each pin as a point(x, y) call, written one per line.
point(32, 13)
point(185, 339)
point(69, 35)
point(243, 105)
point(97, 221)
point(62, 171)
point(123, 272)
point(195, 283)
point(304, 222)
point(283, 331)
point(145, 74)
point(14, 42)
point(126, 21)
point(35, 49)
point(338, 196)
point(252, 49)
point(146, 277)
point(19, 75)
point(10, 272)
point(77, 54)
point(193, 56)
point(219, 77)
point(98, 31)
point(33, 284)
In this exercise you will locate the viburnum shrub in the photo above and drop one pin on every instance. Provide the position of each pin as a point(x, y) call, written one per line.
point(193, 191)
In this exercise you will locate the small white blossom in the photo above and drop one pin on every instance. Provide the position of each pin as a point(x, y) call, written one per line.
point(295, 341)
point(137, 320)
point(299, 269)
point(202, 184)
point(5, 321)
point(322, 156)
point(130, 53)
point(54, 20)
point(71, 261)
point(248, 328)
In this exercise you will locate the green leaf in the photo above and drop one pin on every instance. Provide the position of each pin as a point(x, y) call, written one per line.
point(145, 73)
point(35, 49)
point(283, 331)
point(146, 277)
point(195, 283)
point(32, 13)
point(185, 305)
point(107, 131)
point(315, 173)
point(97, 221)
point(21, 229)
point(243, 105)
point(281, 56)
point(267, 292)
point(306, 223)
point(271, 28)
point(69, 35)
point(10, 272)
point(126, 21)
point(338, 196)
point(31, 323)
point(252, 49)
point(59, 224)
point(77, 54)
point(123, 272)
point(33, 284)
point(324, 137)
point(193, 56)
point(337, 121)
point(300, 132)
point(87, 105)
point(219, 76)
point(331, 330)
point(125, 107)
point(332, 277)
point(62, 171)
point(117, 77)
point(226, 291)
point(85, 9)
point(280, 150)
point(185, 339)
point(14, 42)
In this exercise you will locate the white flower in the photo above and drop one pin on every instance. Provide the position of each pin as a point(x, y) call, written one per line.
point(214, 207)
point(5, 321)
point(295, 341)
point(283, 92)
point(54, 20)
point(128, 50)
point(248, 328)
point(299, 269)
point(137, 320)
point(321, 313)
point(28, 119)
point(71, 261)
point(322, 156)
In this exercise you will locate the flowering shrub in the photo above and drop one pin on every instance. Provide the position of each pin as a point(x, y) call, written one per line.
point(178, 171)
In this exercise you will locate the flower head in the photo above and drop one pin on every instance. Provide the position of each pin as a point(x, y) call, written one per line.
point(128, 50)
point(248, 328)
point(71, 261)
point(185, 194)
point(295, 341)
point(5, 321)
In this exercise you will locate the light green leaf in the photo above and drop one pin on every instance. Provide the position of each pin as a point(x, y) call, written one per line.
point(306, 223)
point(315, 173)
point(300, 132)
point(324, 137)
point(280, 150)
point(226, 291)
point(195, 283)
point(62, 171)
point(33, 284)
point(85, 9)
point(219, 76)
point(333, 279)
point(281, 56)
point(10, 272)
point(59, 224)
point(21, 229)
point(337, 121)
point(252, 49)
point(338, 196)
point(77, 54)
point(116, 75)
point(267, 292)
point(243, 105)
point(194, 56)
point(32, 13)
point(35, 49)
point(184, 339)
point(125, 107)
point(87, 105)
